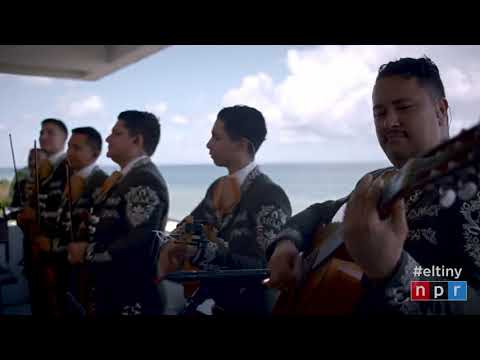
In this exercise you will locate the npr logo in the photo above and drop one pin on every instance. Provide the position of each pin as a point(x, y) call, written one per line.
point(438, 290)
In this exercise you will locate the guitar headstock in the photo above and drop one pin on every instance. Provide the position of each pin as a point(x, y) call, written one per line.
point(452, 168)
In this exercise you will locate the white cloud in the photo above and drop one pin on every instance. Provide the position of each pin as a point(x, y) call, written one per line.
point(180, 119)
point(324, 87)
point(291, 137)
point(85, 106)
point(460, 84)
point(327, 90)
point(158, 109)
point(257, 91)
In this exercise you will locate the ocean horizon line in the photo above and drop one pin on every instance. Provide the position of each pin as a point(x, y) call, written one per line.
point(258, 162)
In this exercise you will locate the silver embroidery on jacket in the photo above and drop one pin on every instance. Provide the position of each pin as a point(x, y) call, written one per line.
point(428, 234)
point(141, 203)
point(113, 201)
point(269, 221)
point(110, 214)
point(471, 229)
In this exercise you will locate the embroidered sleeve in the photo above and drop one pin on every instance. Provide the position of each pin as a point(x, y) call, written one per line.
point(288, 233)
point(301, 227)
point(470, 211)
point(269, 221)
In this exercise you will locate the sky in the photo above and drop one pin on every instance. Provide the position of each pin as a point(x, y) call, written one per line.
point(316, 99)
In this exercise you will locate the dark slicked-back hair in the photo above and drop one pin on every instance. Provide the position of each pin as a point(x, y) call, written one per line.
point(244, 121)
point(94, 139)
point(145, 124)
point(422, 69)
point(58, 123)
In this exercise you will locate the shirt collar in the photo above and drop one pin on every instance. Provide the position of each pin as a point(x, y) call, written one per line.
point(242, 174)
point(132, 163)
point(56, 158)
point(86, 171)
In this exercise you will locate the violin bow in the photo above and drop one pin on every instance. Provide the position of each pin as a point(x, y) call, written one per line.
point(37, 184)
point(15, 169)
point(70, 200)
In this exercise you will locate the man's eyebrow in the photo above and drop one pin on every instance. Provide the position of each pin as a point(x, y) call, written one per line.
point(401, 100)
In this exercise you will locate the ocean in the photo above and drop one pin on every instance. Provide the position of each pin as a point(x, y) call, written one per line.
point(304, 184)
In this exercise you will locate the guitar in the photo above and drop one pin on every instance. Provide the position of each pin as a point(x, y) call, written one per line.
point(330, 281)
point(197, 233)
point(216, 277)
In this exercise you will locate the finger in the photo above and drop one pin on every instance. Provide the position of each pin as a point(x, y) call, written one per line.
point(355, 205)
point(398, 218)
point(375, 188)
point(359, 193)
point(372, 197)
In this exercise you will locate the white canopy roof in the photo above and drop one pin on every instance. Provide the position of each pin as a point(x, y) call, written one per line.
point(84, 62)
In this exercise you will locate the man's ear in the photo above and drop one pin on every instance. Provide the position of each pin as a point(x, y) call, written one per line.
point(138, 140)
point(244, 145)
point(441, 110)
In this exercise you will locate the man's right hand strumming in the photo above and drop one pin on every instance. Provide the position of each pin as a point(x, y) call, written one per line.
point(285, 266)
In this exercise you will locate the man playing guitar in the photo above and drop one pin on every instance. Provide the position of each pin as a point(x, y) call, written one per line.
point(411, 118)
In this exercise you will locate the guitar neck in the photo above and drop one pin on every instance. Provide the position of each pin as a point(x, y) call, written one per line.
point(332, 240)
point(219, 275)
point(452, 165)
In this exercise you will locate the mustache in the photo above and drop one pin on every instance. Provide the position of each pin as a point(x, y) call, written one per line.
point(396, 132)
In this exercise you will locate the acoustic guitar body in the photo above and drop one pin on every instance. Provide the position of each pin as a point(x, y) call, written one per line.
point(333, 289)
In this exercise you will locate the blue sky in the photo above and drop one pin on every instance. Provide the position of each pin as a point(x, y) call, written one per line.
point(316, 99)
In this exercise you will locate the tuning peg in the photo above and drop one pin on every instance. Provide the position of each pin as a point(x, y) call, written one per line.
point(447, 198)
point(467, 191)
